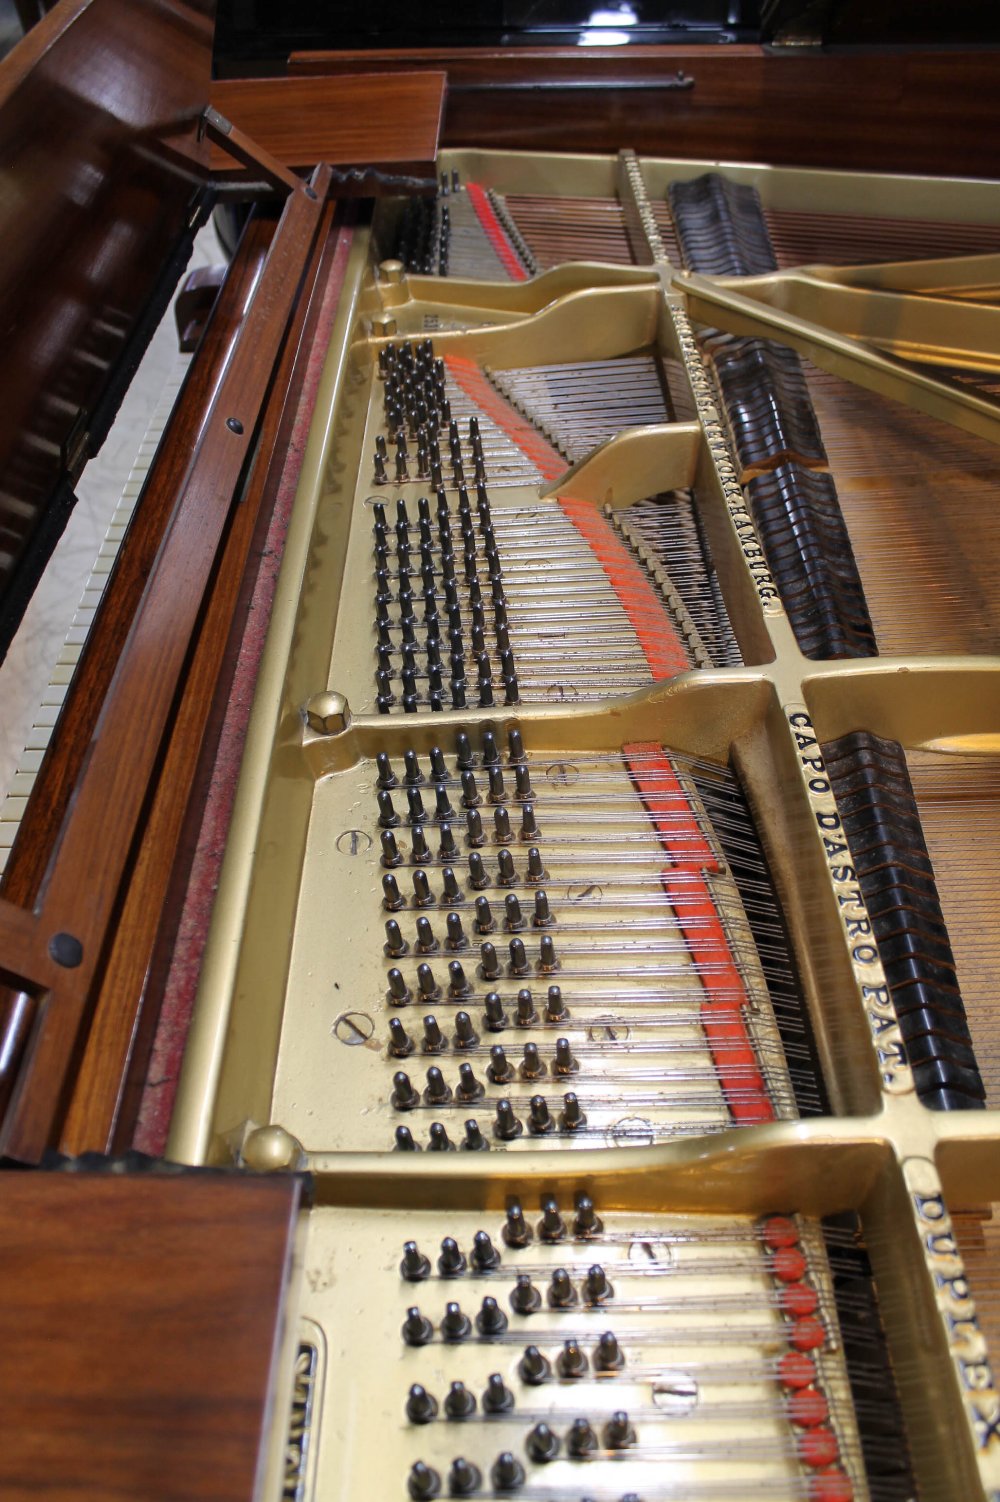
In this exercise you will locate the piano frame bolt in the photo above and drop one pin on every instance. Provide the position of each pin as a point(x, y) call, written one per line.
point(327, 714)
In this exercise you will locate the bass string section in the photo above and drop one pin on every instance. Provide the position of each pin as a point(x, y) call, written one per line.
point(564, 1352)
point(482, 233)
point(478, 591)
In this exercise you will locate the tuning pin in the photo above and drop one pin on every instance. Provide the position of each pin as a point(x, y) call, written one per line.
point(542, 916)
point(470, 793)
point(536, 870)
point(506, 875)
point(458, 985)
point(551, 1227)
point(404, 1141)
point(485, 1257)
point(415, 1267)
point(455, 1325)
point(417, 1330)
point(404, 1097)
point(497, 1398)
point(490, 966)
point(529, 828)
point(522, 782)
point(532, 1067)
point(415, 802)
point(564, 1063)
point(474, 827)
point(518, 958)
point(525, 1298)
point(478, 878)
point(439, 769)
point(442, 807)
point(495, 774)
point(571, 1362)
point(513, 918)
point(390, 850)
point(501, 821)
point(459, 1402)
point(433, 1041)
point(555, 1007)
point(420, 851)
point(484, 916)
point(451, 892)
point(507, 1473)
point(464, 1478)
point(539, 1121)
point(533, 1368)
point(422, 894)
point(562, 1294)
point(465, 1034)
point(423, 1482)
point(608, 1356)
point(392, 898)
point(474, 1141)
point(448, 849)
point(386, 776)
point(500, 1070)
point(587, 1222)
point(491, 1319)
point(421, 1407)
point(516, 1231)
point(463, 751)
point(506, 1125)
point(541, 1444)
point(438, 1091)
point(571, 1117)
point(399, 991)
point(426, 984)
point(400, 1043)
point(491, 756)
point(395, 944)
point(597, 1287)
point(468, 1088)
point(438, 1139)
point(426, 942)
point(581, 1439)
point(526, 1014)
point(412, 774)
point(494, 1016)
point(618, 1432)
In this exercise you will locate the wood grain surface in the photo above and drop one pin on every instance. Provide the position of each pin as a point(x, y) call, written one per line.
point(112, 1068)
point(365, 119)
point(139, 1331)
point(89, 851)
point(893, 110)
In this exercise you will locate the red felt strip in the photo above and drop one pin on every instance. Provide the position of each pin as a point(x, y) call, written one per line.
point(682, 838)
point(547, 460)
point(661, 645)
point(495, 233)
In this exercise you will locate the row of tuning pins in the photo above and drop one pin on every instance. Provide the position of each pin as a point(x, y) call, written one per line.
point(489, 759)
point(491, 769)
point(517, 1233)
point(450, 598)
point(507, 1474)
point(539, 1120)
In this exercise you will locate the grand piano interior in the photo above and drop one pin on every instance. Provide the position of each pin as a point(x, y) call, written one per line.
point(500, 938)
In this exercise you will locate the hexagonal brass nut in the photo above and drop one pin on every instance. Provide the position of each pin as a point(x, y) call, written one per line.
point(391, 271)
point(328, 714)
